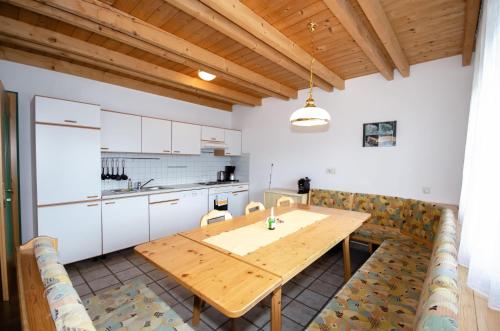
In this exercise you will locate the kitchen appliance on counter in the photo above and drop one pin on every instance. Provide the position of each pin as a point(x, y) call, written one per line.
point(304, 185)
point(221, 176)
point(229, 172)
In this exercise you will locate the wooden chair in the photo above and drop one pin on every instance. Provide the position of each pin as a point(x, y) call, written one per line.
point(213, 214)
point(254, 206)
point(284, 201)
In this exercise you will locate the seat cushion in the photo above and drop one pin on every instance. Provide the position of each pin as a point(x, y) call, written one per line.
point(383, 294)
point(132, 307)
point(385, 210)
point(374, 233)
point(331, 199)
point(422, 220)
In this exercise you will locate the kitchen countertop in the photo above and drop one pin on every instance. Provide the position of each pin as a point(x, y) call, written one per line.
point(111, 194)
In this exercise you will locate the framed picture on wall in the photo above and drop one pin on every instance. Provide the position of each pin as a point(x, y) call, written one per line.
point(379, 134)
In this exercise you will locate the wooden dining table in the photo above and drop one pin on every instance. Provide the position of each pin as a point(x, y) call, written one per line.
point(233, 284)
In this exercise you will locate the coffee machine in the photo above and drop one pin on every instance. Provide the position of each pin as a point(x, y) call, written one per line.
point(229, 173)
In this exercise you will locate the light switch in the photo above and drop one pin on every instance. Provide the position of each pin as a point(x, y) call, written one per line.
point(426, 190)
point(330, 171)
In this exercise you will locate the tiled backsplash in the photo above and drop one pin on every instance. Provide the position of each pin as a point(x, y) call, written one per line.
point(174, 169)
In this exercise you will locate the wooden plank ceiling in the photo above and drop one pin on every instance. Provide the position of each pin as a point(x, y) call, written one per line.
point(257, 48)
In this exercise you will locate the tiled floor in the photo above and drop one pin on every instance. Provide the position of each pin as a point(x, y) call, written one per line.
point(304, 296)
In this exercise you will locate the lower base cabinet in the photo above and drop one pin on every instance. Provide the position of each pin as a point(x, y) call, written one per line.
point(78, 236)
point(175, 212)
point(237, 202)
point(125, 223)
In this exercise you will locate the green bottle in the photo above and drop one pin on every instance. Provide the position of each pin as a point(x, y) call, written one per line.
point(271, 221)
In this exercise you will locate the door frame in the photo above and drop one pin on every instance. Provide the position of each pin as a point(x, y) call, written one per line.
point(3, 238)
point(14, 166)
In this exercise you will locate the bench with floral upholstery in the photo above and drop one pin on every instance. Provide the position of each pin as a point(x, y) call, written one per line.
point(128, 307)
point(410, 281)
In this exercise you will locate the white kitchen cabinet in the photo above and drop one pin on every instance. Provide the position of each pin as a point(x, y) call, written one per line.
point(67, 164)
point(237, 202)
point(209, 133)
point(120, 132)
point(77, 228)
point(171, 213)
point(232, 139)
point(58, 111)
point(125, 223)
point(186, 138)
point(156, 136)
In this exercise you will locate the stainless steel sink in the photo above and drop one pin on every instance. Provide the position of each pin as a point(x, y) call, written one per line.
point(124, 190)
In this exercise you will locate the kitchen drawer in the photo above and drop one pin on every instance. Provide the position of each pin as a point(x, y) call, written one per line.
point(228, 188)
point(57, 111)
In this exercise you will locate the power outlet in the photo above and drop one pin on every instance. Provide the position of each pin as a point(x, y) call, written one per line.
point(426, 190)
point(330, 171)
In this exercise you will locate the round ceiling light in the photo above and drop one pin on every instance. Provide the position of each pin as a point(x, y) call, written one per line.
point(206, 75)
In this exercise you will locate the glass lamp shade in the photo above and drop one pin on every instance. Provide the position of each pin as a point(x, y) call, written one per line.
point(206, 75)
point(310, 116)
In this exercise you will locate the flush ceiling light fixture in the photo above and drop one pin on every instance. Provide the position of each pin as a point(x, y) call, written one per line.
point(206, 75)
point(310, 115)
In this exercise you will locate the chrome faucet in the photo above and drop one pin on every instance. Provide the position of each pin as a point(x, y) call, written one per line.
point(146, 183)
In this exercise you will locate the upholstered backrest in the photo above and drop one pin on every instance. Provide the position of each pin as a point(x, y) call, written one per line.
point(331, 199)
point(65, 305)
point(385, 210)
point(422, 219)
point(438, 305)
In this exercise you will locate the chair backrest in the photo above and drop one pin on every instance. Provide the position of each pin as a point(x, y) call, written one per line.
point(284, 201)
point(254, 206)
point(213, 214)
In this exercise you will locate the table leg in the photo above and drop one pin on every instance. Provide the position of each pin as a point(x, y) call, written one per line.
point(196, 310)
point(347, 259)
point(276, 310)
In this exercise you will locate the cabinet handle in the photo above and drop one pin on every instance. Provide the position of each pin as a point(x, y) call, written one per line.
point(176, 151)
point(173, 203)
point(110, 203)
point(70, 121)
point(104, 148)
point(213, 138)
point(227, 153)
point(93, 205)
point(165, 151)
point(92, 196)
point(164, 201)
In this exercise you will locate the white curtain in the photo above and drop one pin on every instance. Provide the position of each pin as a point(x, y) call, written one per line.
point(480, 198)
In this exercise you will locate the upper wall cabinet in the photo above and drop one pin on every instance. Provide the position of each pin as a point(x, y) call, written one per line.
point(209, 133)
point(69, 113)
point(120, 132)
point(186, 138)
point(232, 139)
point(156, 136)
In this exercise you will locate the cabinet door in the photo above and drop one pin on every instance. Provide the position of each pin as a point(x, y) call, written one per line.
point(194, 206)
point(186, 138)
point(210, 133)
point(156, 136)
point(164, 217)
point(77, 228)
point(57, 111)
point(67, 164)
point(125, 223)
point(233, 141)
point(237, 202)
point(120, 132)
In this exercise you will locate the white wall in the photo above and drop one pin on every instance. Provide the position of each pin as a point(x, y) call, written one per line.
point(29, 81)
point(430, 107)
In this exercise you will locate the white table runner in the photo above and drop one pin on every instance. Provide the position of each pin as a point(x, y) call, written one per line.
point(247, 239)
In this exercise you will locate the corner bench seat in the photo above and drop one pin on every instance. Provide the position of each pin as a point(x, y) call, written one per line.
point(410, 282)
point(49, 302)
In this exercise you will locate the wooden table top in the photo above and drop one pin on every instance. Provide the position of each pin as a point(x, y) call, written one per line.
point(290, 255)
point(228, 284)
